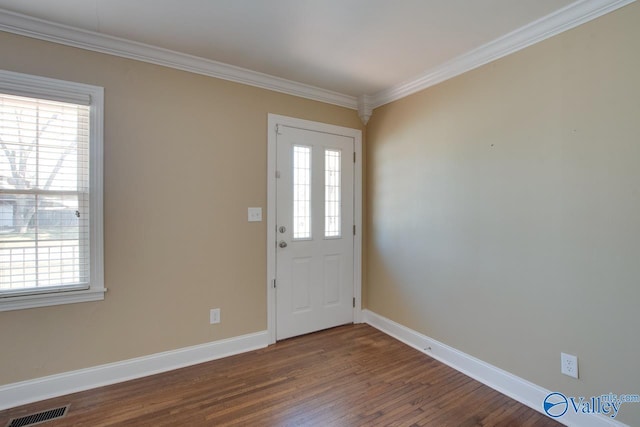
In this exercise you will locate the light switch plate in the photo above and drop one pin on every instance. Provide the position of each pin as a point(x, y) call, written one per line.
point(255, 214)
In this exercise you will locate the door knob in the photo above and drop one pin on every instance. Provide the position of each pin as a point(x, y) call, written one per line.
point(282, 244)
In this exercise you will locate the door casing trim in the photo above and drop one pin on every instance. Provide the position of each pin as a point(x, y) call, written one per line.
point(356, 134)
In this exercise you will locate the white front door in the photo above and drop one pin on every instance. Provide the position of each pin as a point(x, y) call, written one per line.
point(314, 231)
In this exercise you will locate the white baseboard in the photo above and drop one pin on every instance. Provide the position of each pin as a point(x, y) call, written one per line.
point(517, 388)
point(506, 383)
point(24, 392)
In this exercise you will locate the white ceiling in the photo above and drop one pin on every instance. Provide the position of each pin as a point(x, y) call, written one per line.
point(358, 54)
point(353, 47)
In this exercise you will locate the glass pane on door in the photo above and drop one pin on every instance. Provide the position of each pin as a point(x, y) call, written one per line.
point(301, 192)
point(332, 202)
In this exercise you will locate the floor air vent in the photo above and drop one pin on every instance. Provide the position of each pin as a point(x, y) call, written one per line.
point(40, 417)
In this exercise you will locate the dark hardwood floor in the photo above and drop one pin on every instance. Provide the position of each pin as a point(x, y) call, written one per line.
point(348, 376)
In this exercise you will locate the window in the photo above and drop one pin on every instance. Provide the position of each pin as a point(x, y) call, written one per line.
point(50, 192)
point(332, 202)
point(301, 192)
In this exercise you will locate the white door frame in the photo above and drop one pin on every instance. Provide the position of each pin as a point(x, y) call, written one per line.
point(356, 134)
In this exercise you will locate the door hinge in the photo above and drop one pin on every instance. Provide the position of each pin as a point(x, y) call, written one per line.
point(274, 283)
point(277, 174)
point(278, 130)
point(354, 302)
point(354, 230)
point(354, 157)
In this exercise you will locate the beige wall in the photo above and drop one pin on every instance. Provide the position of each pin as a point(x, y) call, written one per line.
point(184, 155)
point(504, 210)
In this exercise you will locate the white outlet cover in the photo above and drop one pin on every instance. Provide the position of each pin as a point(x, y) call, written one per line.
point(569, 365)
point(214, 316)
point(254, 214)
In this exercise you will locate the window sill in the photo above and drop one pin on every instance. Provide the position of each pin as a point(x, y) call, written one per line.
point(43, 300)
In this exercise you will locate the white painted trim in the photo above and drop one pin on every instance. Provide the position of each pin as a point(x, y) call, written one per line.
point(571, 16)
point(506, 383)
point(44, 30)
point(24, 392)
point(272, 121)
point(357, 218)
point(356, 134)
point(365, 108)
point(47, 299)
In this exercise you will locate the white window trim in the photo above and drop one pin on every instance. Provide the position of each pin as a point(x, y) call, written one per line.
point(60, 90)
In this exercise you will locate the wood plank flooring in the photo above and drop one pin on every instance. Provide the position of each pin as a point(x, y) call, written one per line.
point(348, 376)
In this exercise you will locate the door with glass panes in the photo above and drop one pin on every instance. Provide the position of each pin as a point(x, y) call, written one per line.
point(314, 230)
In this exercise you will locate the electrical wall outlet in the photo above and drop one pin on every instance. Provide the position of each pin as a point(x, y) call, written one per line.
point(569, 365)
point(214, 315)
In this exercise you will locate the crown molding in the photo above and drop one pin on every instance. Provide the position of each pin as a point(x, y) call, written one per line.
point(364, 108)
point(44, 30)
point(571, 16)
